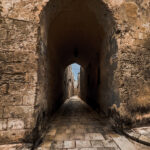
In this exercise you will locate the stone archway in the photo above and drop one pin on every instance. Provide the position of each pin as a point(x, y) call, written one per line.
point(122, 59)
point(82, 32)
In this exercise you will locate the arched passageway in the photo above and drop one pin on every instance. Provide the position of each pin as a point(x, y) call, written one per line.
point(82, 32)
point(39, 42)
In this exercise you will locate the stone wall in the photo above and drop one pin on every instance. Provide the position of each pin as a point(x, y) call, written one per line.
point(23, 99)
point(132, 73)
point(78, 85)
point(68, 83)
point(18, 75)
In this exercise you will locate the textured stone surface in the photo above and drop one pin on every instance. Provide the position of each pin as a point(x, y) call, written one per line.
point(69, 144)
point(94, 136)
point(97, 143)
point(123, 143)
point(15, 124)
point(17, 59)
point(81, 144)
point(1, 111)
point(68, 82)
point(60, 124)
point(84, 119)
point(18, 111)
point(32, 87)
point(3, 124)
point(21, 146)
point(14, 135)
point(141, 133)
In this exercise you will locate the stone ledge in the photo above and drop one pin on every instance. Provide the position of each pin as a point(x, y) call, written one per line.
point(141, 135)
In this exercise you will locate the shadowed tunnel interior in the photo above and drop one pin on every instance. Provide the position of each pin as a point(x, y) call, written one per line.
point(74, 36)
point(82, 32)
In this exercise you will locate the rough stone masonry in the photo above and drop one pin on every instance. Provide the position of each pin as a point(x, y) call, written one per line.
point(31, 80)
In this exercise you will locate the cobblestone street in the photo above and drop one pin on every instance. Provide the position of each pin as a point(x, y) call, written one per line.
point(77, 127)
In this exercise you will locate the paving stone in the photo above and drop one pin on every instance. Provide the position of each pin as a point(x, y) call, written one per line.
point(69, 144)
point(147, 129)
point(144, 138)
point(106, 148)
point(97, 143)
point(43, 148)
point(70, 131)
point(83, 144)
point(61, 130)
point(86, 134)
point(80, 130)
point(123, 143)
point(94, 136)
point(58, 149)
point(109, 143)
point(52, 132)
point(77, 136)
point(134, 134)
point(90, 130)
point(57, 144)
point(88, 149)
point(61, 137)
point(139, 146)
point(140, 131)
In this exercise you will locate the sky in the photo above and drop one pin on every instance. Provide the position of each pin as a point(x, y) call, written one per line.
point(75, 70)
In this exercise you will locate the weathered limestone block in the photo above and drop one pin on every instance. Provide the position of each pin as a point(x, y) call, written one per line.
point(69, 144)
point(11, 99)
point(3, 89)
point(131, 9)
point(145, 4)
point(20, 67)
point(14, 124)
point(3, 124)
point(13, 135)
point(29, 11)
point(142, 101)
point(3, 34)
point(16, 88)
point(31, 77)
point(17, 56)
point(20, 77)
point(30, 123)
point(29, 99)
point(1, 111)
point(23, 89)
point(115, 3)
point(19, 38)
point(15, 146)
point(18, 111)
point(81, 144)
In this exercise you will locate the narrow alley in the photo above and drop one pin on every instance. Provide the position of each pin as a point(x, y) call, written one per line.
point(77, 127)
point(40, 41)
